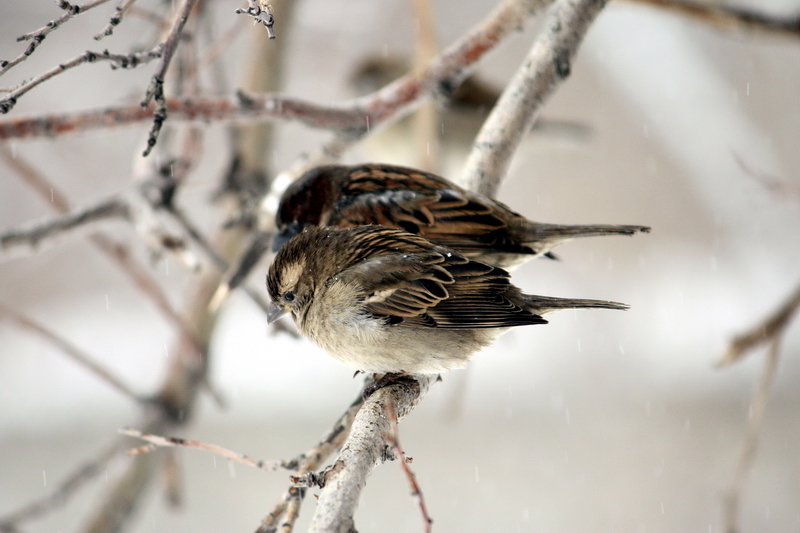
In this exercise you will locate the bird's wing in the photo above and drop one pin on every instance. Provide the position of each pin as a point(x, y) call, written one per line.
point(426, 205)
point(412, 282)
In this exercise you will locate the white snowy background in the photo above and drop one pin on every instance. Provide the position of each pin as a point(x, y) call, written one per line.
point(597, 422)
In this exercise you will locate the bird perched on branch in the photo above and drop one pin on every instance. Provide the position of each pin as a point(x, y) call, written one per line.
point(424, 204)
point(386, 301)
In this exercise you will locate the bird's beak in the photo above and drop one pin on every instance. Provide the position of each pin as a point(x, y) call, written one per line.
point(275, 312)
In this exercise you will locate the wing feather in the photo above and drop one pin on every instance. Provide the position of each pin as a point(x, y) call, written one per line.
point(413, 282)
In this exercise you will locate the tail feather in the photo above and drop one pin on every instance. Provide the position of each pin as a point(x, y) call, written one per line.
point(537, 232)
point(541, 305)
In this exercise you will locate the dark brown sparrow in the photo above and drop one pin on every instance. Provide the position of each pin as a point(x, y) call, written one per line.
point(383, 300)
point(424, 204)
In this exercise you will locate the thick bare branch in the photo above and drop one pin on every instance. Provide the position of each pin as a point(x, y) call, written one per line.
point(547, 65)
point(352, 119)
point(364, 448)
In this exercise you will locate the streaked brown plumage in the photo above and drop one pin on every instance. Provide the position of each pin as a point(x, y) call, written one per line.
point(424, 204)
point(384, 300)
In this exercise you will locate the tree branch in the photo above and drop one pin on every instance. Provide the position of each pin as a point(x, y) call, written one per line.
point(547, 65)
point(157, 441)
point(393, 439)
point(155, 91)
point(35, 234)
point(364, 448)
point(122, 8)
point(286, 510)
point(764, 332)
point(117, 61)
point(37, 36)
point(115, 251)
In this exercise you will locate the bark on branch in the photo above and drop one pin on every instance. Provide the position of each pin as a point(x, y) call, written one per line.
point(363, 450)
point(547, 65)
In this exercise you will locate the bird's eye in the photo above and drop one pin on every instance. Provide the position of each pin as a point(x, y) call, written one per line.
point(288, 296)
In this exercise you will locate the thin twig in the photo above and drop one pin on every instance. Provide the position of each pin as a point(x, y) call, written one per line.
point(69, 349)
point(63, 492)
point(758, 407)
point(127, 61)
point(122, 8)
point(155, 91)
point(727, 17)
point(392, 438)
point(37, 36)
point(548, 64)
point(156, 441)
point(766, 331)
point(43, 232)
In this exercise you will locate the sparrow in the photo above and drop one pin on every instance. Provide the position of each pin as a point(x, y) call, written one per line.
point(425, 204)
point(383, 300)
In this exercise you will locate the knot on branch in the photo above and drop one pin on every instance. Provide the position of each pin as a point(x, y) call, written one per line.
point(7, 104)
point(562, 64)
point(245, 100)
point(313, 479)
